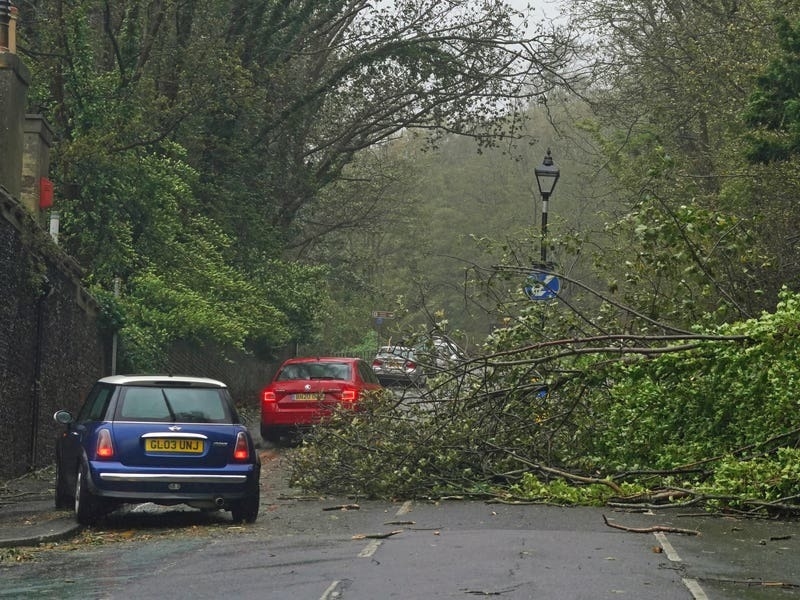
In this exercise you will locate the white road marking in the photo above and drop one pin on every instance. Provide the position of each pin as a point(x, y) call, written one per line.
point(668, 549)
point(691, 584)
point(331, 592)
point(373, 545)
point(369, 549)
point(695, 589)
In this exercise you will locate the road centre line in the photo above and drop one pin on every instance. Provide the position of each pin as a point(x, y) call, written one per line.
point(691, 584)
point(370, 549)
point(667, 547)
point(332, 591)
point(695, 589)
point(373, 545)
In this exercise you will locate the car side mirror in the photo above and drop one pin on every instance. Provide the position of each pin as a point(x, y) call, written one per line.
point(64, 417)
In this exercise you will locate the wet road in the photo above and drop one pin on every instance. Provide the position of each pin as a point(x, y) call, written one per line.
point(326, 548)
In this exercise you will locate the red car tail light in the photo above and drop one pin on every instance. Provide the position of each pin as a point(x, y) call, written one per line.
point(349, 395)
point(105, 447)
point(269, 396)
point(377, 363)
point(241, 451)
point(410, 366)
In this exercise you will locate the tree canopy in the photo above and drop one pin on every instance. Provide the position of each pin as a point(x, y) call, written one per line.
point(211, 133)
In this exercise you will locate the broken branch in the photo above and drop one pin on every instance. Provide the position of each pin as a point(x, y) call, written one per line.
point(653, 529)
point(376, 536)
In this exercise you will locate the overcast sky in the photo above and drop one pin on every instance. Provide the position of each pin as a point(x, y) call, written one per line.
point(542, 8)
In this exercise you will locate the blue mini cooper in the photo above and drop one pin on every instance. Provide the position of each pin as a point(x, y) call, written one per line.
point(161, 439)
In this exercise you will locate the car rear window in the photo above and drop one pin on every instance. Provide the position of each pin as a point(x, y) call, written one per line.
point(181, 405)
point(319, 370)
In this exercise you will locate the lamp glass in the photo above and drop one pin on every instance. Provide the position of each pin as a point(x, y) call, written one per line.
point(547, 175)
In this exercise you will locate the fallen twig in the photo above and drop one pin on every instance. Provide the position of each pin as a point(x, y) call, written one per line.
point(753, 582)
point(653, 529)
point(514, 502)
point(400, 523)
point(302, 498)
point(343, 507)
point(375, 536)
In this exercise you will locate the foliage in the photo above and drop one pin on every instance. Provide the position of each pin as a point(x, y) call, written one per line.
point(700, 231)
point(561, 491)
point(774, 106)
point(770, 478)
point(680, 412)
point(711, 400)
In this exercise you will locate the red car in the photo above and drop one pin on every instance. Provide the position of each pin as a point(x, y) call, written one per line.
point(305, 390)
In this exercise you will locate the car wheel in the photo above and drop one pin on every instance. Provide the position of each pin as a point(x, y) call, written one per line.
point(86, 508)
point(63, 497)
point(246, 509)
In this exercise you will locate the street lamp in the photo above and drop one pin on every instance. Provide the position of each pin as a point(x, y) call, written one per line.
point(546, 178)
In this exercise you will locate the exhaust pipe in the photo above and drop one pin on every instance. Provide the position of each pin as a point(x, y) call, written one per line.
point(220, 502)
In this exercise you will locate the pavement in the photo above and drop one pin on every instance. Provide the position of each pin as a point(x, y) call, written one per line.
point(28, 516)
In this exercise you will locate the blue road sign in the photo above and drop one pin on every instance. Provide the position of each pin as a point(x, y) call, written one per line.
point(542, 286)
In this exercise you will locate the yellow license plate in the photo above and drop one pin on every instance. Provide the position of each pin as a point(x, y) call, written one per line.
point(307, 396)
point(174, 445)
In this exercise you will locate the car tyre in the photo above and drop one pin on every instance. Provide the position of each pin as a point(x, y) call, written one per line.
point(86, 505)
point(246, 509)
point(63, 497)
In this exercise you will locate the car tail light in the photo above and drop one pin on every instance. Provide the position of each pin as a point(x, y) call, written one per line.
point(105, 447)
point(241, 451)
point(410, 366)
point(377, 363)
point(349, 395)
point(269, 396)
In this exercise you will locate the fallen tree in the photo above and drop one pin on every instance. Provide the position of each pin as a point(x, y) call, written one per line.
point(707, 419)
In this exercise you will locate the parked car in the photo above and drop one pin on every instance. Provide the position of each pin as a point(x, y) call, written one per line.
point(161, 439)
point(305, 391)
point(439, 354)
point(398, 365)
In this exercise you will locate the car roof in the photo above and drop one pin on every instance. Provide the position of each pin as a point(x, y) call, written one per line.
point(161, 380)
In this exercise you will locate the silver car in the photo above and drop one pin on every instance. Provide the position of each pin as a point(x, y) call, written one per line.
point(398, 365)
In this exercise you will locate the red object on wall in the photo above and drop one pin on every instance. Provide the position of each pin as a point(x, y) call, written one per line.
point(45, 193)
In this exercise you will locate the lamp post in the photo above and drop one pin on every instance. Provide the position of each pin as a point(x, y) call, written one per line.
point(546, 178)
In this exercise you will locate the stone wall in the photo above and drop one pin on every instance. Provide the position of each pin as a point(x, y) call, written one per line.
point(50, 348)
